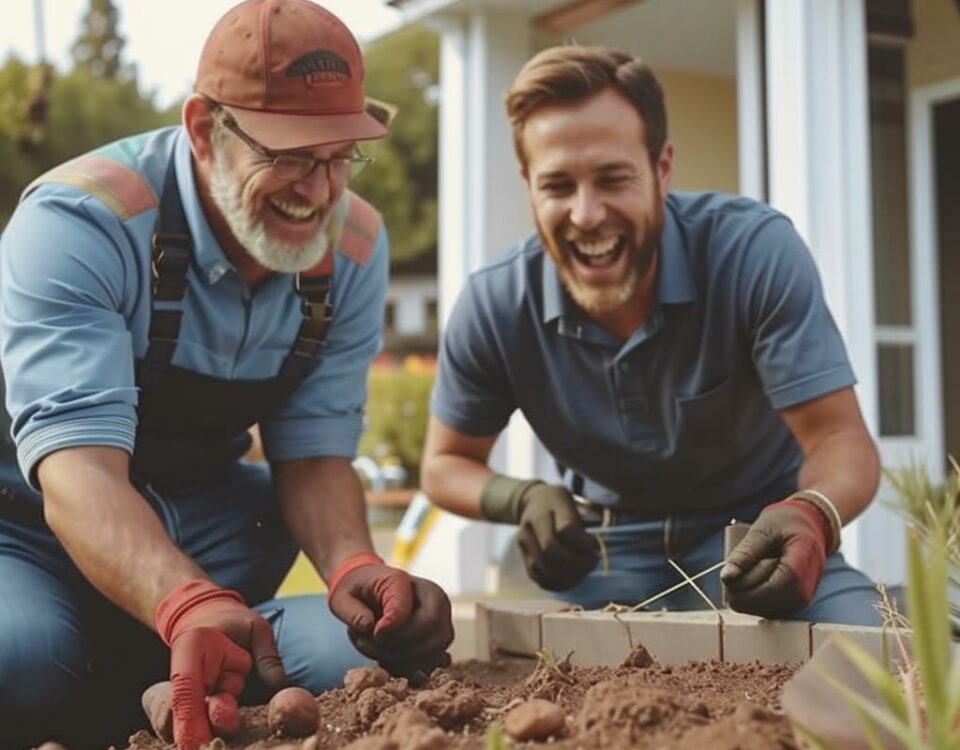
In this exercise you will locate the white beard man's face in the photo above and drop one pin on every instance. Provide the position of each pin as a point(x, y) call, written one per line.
point(251, 231)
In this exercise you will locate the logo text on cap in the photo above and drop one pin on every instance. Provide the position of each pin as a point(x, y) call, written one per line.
point(320, 67)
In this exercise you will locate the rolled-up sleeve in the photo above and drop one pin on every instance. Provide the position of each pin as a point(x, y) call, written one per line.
point(797, 348)
point(472, 391)
point(324, 416)
point(65, 348)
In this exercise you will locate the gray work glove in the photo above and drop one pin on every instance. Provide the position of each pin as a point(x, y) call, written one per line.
point(556, 548)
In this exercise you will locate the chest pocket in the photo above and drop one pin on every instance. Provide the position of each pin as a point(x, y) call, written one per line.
point(705, 429)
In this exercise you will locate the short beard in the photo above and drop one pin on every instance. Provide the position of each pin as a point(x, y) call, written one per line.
point(250, 231)
point(602, 300)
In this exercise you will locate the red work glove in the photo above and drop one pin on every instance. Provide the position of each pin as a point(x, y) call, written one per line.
point(403, 623)
point(776, 568)
point(211, 634)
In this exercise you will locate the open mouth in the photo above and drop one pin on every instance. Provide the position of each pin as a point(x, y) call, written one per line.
point(293, 211)
point(598, 253)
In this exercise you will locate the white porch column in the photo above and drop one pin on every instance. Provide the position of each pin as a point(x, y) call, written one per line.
point(750, 141)
point(483, 209)
point(819, 175)
point(483, 203)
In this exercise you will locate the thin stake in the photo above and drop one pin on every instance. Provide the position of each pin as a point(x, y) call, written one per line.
point(676, 586)
point(696, 588)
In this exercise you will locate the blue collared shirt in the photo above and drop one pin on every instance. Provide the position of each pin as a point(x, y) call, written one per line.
point(75, 309)
point(684, 414)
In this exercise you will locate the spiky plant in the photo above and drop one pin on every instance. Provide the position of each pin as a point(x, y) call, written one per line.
point(495, 739)
point(920, 706)
point(926, 505)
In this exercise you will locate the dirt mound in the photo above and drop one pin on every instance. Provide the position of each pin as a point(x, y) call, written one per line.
point(694, 706)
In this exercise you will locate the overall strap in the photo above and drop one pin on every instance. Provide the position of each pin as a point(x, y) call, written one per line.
point(352, 232)
point(313, 288)
point(171, 247)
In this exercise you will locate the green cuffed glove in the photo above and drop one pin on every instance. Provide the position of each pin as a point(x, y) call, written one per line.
point(556, 548)
point(775, 569)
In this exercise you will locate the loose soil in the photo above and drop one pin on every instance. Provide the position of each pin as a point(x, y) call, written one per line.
point(707, 705)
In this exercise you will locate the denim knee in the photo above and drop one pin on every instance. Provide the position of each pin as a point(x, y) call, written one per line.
point(43, 678)
point(313, 644)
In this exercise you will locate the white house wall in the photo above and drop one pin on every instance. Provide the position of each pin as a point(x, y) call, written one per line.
point(819, 176)
point(410, 297)
point(483, 209)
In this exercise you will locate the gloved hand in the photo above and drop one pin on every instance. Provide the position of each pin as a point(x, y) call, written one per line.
point(214, 640)
point(404, 623)
point(775, 569)
point(556, 548)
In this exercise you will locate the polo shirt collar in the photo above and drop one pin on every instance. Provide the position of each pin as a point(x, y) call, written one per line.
point(674, 283)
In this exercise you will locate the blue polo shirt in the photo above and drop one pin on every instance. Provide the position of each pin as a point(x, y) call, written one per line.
point(75, 306)
point(683, 415)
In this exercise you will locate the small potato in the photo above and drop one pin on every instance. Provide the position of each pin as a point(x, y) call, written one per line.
point(293, 712)
point(157, 702)
point(536, 719)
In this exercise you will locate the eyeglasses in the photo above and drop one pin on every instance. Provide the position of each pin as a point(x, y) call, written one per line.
point(291, 167)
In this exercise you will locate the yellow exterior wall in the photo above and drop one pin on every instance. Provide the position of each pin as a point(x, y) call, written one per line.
point(702, 122)
point(933, 53)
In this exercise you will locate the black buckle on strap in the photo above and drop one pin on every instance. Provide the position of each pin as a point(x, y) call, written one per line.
point(171, 259)
point(313, 292)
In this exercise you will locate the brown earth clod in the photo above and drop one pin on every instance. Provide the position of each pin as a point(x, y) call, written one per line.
point(691, 706)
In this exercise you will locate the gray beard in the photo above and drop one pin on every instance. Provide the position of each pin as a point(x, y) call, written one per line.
point(250, 231)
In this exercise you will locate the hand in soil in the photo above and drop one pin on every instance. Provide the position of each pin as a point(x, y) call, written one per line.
point(215, 640)
point(402, 622)
point(775, 569)
point(223, 712)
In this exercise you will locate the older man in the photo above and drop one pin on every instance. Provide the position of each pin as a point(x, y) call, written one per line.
point(159, 296)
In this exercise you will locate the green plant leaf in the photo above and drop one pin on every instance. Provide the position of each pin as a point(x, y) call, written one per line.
point(930, 622)
point(877, 675)
point(495, 739)
point(882, 716)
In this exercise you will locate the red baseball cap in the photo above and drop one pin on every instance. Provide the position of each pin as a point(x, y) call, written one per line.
point(291, 74)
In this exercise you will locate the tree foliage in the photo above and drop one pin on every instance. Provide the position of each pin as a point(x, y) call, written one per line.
point(83, 111)
point(47, 117)
point(403, 69)
point(99, 48)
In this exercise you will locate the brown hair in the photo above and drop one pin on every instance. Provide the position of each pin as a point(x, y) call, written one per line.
point(571, 74)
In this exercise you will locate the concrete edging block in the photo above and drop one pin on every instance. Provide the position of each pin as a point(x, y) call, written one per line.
point(471, 636)
point(747, 638)
point(869, 638)
point(513, 627)
point(605, 639)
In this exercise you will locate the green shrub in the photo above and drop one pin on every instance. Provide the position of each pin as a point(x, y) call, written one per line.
point(398, 406)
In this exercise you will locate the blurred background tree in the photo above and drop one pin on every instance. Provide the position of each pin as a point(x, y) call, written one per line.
point(403, 69)
point(99, 47)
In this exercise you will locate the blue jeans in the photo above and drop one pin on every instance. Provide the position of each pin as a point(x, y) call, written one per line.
point(638, 551)
point(73, 666)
